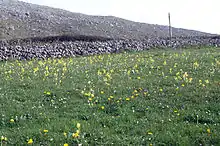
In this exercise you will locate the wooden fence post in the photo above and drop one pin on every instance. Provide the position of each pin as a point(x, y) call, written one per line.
point(170, 28)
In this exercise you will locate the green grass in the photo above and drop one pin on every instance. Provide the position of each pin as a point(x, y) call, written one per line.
point(158, 97)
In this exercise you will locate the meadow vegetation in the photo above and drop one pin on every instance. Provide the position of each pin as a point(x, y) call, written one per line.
point(156, 97)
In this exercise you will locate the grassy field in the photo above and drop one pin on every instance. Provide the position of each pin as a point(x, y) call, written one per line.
point(158, 97)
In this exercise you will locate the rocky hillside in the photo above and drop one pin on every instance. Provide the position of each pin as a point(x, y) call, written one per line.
point(23, 20)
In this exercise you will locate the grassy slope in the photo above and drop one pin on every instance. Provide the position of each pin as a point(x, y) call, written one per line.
point(133, 98)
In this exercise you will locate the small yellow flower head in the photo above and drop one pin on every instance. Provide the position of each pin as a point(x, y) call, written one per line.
point(111, 96)
point(30, 141)
point(45, 131)
point(150, 144)
point(190, 80)
point(182, 85)
point(165, 62)
point(195, 64)
point(149, 133)
point(102, 107)
point(208, 130)
point(185, 75)
point(3, 138)
point(109, 99)
point(65, 144)
point(75, 135)
point(90, 99)
point(127, 99)
point(140, 89)
point(78, 125)
point(102, 92)
point(207, 81)
point(65, 134)
point(138, 78)
point(171, 70)
point(78, 131)
point(92, 95)
point(12, 120)
point(161, 90)
point(175, 65)
point(175, 111)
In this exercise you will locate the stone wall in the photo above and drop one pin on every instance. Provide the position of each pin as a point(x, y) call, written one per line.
point(29, 49)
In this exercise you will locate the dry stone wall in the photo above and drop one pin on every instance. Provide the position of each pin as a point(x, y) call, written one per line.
point(24, 50)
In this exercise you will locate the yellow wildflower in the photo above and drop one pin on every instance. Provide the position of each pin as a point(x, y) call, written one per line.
point(45, 130)
point(75, 135)
point(102, 92)
point(190, 80)
point(165, 62)
point(175, 65)
point(3, 138)
point(185, 75)
point(208, 130)
point(30, 141)
point(207, 81)
point(171, 70)
point(102, 107)
point(127, 99)
point(6, 138)
point(65, 134)
point(65, 144)
point(138, 78)
point(78, 125)
point(195, 64)
point(12, 120)
point(48, 93)
point(36, 69)
point(149, 133)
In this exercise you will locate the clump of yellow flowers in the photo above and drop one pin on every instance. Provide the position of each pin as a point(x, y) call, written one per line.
point(76, 134)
